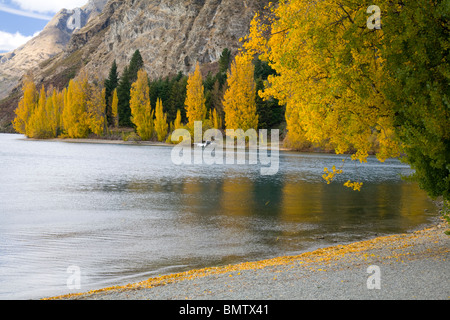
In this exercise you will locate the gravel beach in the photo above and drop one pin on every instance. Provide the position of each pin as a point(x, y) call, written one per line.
point(408, 266)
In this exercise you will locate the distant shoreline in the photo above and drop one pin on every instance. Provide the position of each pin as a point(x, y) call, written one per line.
point(155, 143)
point(103, 141)
point(134, 143)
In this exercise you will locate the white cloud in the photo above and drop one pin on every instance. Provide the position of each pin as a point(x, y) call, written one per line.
point(45, 6)
point(11, 41)
point(25, 13)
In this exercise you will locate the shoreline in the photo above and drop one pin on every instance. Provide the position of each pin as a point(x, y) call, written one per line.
point(413, 265)
point(102, 141)
point(158, 144)
point(142, 143)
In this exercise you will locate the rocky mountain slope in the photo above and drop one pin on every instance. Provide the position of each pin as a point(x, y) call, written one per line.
point(50, 41)
point(172, 35)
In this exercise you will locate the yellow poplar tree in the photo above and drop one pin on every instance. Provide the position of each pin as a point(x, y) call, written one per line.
point(195, 98)
point(239, 100)
point(115, 108)
point(26, 105)
point(54, 111)
point(216, 121)
point(75, 117)
point(51, 114)
point(38, 123)
point(58, 102)
point(161, 126)
point(177, 123)
point(96, 108)
point(141, 111)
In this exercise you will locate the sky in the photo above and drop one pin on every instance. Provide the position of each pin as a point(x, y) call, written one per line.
point(20, 20)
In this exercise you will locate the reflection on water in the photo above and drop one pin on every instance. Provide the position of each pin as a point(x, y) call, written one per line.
point(126, 213)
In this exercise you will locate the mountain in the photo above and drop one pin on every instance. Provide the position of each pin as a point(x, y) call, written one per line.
point(51, 41)
point(172, 35)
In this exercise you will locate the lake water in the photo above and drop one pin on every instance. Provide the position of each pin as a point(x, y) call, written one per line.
point(124, 213)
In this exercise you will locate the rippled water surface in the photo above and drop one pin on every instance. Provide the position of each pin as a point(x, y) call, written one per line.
point(126, 213)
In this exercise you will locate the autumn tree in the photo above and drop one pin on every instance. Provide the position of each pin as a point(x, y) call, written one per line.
point(96, 110)
point(216, 120)
point(114, 109)
point(141, 111)
point(57, 98)
point(161, 126)
point(239, 99)
point(195, 98)
point(75, 117)
point(26, 105)
point(39, 123)
point(329, 74)
point(349, 84)
point(177, 124)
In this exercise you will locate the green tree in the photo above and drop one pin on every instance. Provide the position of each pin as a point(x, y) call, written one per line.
point(416, 53)
point(224, 64)
point(129, 76)
point(123, 94)
point(176, 98)
point(111, 84)
point(136, 64)
point(270, 112)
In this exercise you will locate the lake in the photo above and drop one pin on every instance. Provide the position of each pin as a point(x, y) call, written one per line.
point(125, 213)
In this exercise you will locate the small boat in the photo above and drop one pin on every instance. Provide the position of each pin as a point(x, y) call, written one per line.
point(204, 144)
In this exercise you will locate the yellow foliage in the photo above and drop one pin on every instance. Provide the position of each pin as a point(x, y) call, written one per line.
point(96, 108)
point(195, 98)
point(216, 120)
point(115, 108)
point(321, 73)
point(356, 186)
point(26, 105)
point(161, 126)
point(328, 74)
point(177, 123)
point(141, 111)
point(75, 117)
point(239, 100)
point(329, 176)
